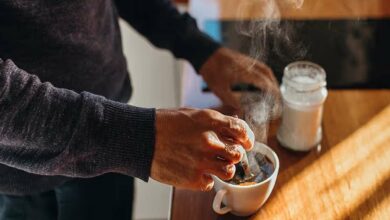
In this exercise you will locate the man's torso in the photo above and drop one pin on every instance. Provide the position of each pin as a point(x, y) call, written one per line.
point(73, 44)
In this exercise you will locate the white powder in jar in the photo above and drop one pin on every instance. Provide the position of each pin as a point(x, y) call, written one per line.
point(301, 128)
point(304, 92)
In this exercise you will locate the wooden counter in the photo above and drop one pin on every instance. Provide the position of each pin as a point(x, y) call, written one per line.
point(348, 178)
point(291, 9)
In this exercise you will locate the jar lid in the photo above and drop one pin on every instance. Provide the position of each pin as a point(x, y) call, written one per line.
point(304, 76)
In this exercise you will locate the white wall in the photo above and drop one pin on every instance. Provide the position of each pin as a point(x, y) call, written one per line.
point(153, 71)
point(155, 81)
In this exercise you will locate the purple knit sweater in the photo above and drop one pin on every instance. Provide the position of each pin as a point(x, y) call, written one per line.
point(63, 78)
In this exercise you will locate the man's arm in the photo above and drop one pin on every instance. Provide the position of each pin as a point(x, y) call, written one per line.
point(52, 131)
point(162, 24)
point(220, 67)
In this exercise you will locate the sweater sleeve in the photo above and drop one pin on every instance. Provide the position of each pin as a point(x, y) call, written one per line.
point(51, 131)
point(162, 24)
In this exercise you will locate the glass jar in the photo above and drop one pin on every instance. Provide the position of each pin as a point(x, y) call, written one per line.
point(304, 92)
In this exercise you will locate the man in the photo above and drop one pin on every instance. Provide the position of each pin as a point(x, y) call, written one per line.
point(69, 146)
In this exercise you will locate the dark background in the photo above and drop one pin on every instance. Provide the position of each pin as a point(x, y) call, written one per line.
point(354, 53)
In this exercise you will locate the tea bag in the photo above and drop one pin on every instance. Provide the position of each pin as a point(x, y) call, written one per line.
point(260, 168)
point(243, 166)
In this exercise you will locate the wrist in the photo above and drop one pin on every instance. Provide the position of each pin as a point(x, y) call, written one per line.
point(199, 47)
point(128, 135)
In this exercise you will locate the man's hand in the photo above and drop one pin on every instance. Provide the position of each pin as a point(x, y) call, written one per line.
point(191, 144)
point(226, 68)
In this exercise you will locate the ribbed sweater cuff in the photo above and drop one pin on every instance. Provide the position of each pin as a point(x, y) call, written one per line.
point(199, 47)
point(129, 136)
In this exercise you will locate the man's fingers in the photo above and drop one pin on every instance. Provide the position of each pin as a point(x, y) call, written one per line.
point(226, 150)
point(234, 130)
point(230, 130)
point(206, 182)
point(227, 97)
point(260, 81)
point(261, 76)
point(271, 89)
point(250, 137)
point(264, 69)
point(229, 153)
point(223, 169)
point(220, 168)
point(261, 69)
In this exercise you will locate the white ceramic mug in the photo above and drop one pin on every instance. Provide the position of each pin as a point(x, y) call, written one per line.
point(245, 200)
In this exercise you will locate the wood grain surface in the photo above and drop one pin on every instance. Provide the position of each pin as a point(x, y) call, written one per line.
point(302, 9)
point(348, 178)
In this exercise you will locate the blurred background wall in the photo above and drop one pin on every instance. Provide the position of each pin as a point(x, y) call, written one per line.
point(155, 80)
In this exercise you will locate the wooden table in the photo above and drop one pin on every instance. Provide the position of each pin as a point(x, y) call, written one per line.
point(290, 9)
point(348, 178)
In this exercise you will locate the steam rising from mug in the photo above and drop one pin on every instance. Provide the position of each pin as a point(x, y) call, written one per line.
point(258, 109)
point(269, 34)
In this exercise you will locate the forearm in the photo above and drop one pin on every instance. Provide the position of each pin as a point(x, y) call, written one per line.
point(51, 131)
point(165, 27)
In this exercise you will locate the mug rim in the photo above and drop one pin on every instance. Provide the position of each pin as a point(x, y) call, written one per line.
point(276, 170)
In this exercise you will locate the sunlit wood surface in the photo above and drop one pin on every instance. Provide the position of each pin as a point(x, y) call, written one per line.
point(348, 178)
point(297, 9)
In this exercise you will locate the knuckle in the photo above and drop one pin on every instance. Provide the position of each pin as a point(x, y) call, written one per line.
point(209, 113)
point(244, 128)
point(238, 124)
point(232, 151)
point(242, 123)
point(267, 69)
point(201, 115)
point(205, 139)
point(209, 139)
point(208, 117)
point(213, 115)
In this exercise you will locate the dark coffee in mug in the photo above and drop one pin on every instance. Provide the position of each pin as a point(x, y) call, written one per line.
point(261, 168)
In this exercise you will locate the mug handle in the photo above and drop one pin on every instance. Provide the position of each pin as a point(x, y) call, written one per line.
point(218, 201)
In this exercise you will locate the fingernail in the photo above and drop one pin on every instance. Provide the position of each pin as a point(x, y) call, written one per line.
point(209, 187)
point(229, 169)
point(237, 155)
